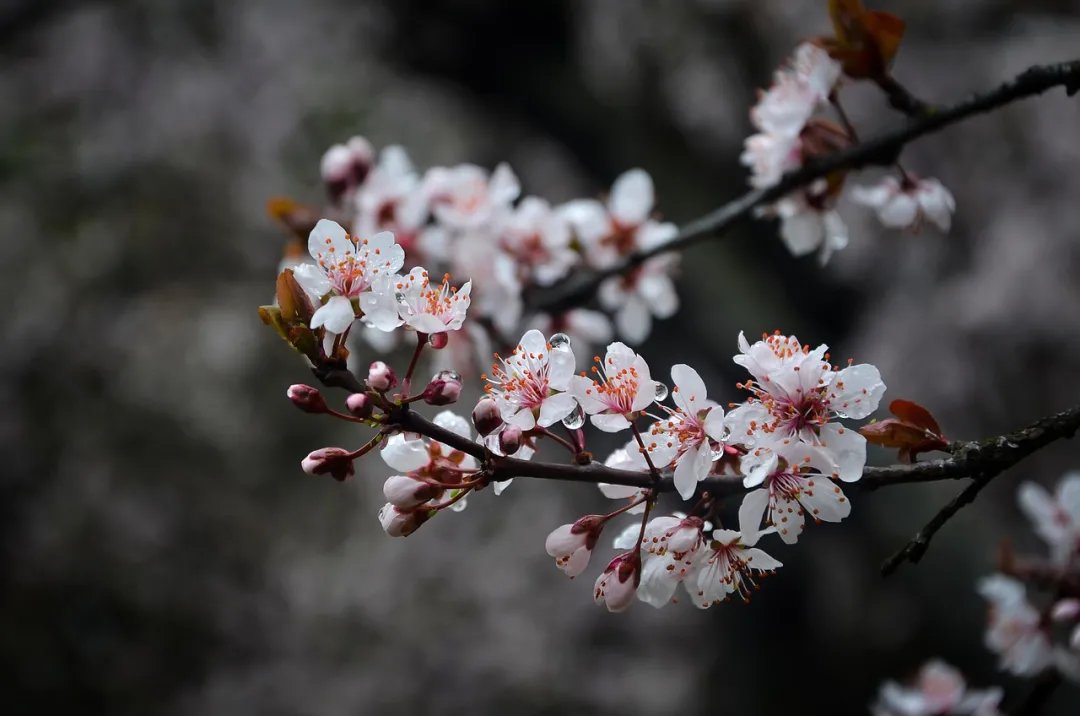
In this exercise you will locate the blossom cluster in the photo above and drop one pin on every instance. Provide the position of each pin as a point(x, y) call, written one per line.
point(1023, 636)
point(468, 222)
point(791, 129)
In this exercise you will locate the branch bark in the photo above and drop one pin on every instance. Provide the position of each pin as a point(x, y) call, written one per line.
point(881, 150)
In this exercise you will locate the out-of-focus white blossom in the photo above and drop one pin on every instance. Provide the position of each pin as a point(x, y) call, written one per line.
point(908, 204)
point(1056, 518)
point(938, 690)
point(1014, 631)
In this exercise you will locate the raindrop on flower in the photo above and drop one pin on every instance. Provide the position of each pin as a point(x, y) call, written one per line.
point(447, 375)
point(660, 391)
point(575, 419)
point(401, 298)
point(716, 450)
point(560, 341)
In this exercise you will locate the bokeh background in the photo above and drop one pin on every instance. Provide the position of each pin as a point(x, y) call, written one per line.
point(163, 553)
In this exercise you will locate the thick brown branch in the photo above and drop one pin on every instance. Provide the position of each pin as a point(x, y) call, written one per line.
point(881, 150)
point(983, 461)
point(970, 459)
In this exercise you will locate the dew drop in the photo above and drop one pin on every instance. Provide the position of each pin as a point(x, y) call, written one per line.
point(575, 419)
point(448, 376)
point(560, 341)
point(660, 391)
point(716, 450)
point(401, 298)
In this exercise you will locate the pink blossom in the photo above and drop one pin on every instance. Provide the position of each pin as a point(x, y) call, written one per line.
point(530, 385)
point(624, 388)
point(908, 204)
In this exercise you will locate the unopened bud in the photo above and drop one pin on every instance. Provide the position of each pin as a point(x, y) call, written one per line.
point(381, 377)
point(306, 398)
point(444, 388)
point(359, 404)
point(407, 493)
point(616, 587)
point(1066, 610)
point(362, 156)
point(336, 170)
point(510, 439)
point(486, 416)
point(438, 341)
point(333, 461)
point(398, 523)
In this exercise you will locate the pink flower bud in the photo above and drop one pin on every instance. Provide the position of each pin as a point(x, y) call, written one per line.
point(486, 416)
point(617, 586)
point(359, 404)
point(333, 461)
point(407, 493)
point(362, 156)
point(306, 398)
point(444, 388)
point(398, 523)
point(571, 545)
point(510, 439)
point(438, 341)
point(381, 377)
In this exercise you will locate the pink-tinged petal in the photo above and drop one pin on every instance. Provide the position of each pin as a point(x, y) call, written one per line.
point(715, 423)
point(504, 186)
point(588, 219)
point(585, 391)
point(759, 560)
point(329, 241)
point(856, 391)
point(610, 423)
point(658, 291)
point(634, 320)
point(646, 390)
point(847, 448)
point(555, 408)
point(405, 455)
point(688, 473)
point(632, 197)
point(453, 422)
point(825, 501)
point(750, 513)
point(1068, 496)
point(653, 234)
point(899, 212)
point(312, 279)
point(591, 326)
point(802, 233)
point(336, 315)
point(689, 392)
point(561, 368)
point(658, 584)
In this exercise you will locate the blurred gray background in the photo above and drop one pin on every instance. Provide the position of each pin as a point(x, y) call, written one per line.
point(162, 551)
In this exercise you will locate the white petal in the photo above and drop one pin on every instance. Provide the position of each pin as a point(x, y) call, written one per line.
point(847, 448)
point(336, 315)
point(750, 514)
point(555, 408)
point(632, 197)
point(405, 455)
point(610, 423)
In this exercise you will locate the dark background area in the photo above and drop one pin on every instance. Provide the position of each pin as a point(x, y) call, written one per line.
point(163, 553)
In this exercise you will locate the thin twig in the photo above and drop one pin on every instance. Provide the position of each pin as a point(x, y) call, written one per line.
point(881, 150)
point(984, 461)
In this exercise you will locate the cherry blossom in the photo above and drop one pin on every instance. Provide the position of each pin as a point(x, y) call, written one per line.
point(1056, 518)
point(644, 292)
point(465, 197)
point(692, 432)
point(390, 199)
point(430, 460)
point(424, 307)
point(1014, 631)
point(938, 690)
point(345, 166)
point(728, 565)
point(529, 385)
point(806, 227)
point(346, 269)
point(538, 238)
point(672, 546)
point(624, 388)
point(908, 203)
point(794, 477)
point(797, 395)
point(612, 230)
point(401, 523)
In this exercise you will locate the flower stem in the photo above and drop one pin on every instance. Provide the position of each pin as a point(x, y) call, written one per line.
point(421, 341)
point(645, 453)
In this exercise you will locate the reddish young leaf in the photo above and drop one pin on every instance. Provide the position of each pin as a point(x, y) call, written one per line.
point(915, 414)
point(866, 41)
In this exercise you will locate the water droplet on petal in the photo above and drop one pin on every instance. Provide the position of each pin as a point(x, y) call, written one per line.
point(401, 298)
point(447, 375)
point(575, 419)
point(660, 391)
point(716, 450)
point(560, 341)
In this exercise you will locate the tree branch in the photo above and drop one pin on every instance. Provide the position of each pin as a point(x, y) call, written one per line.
point(882, 150)
point(983, 461)
point(979, 459)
